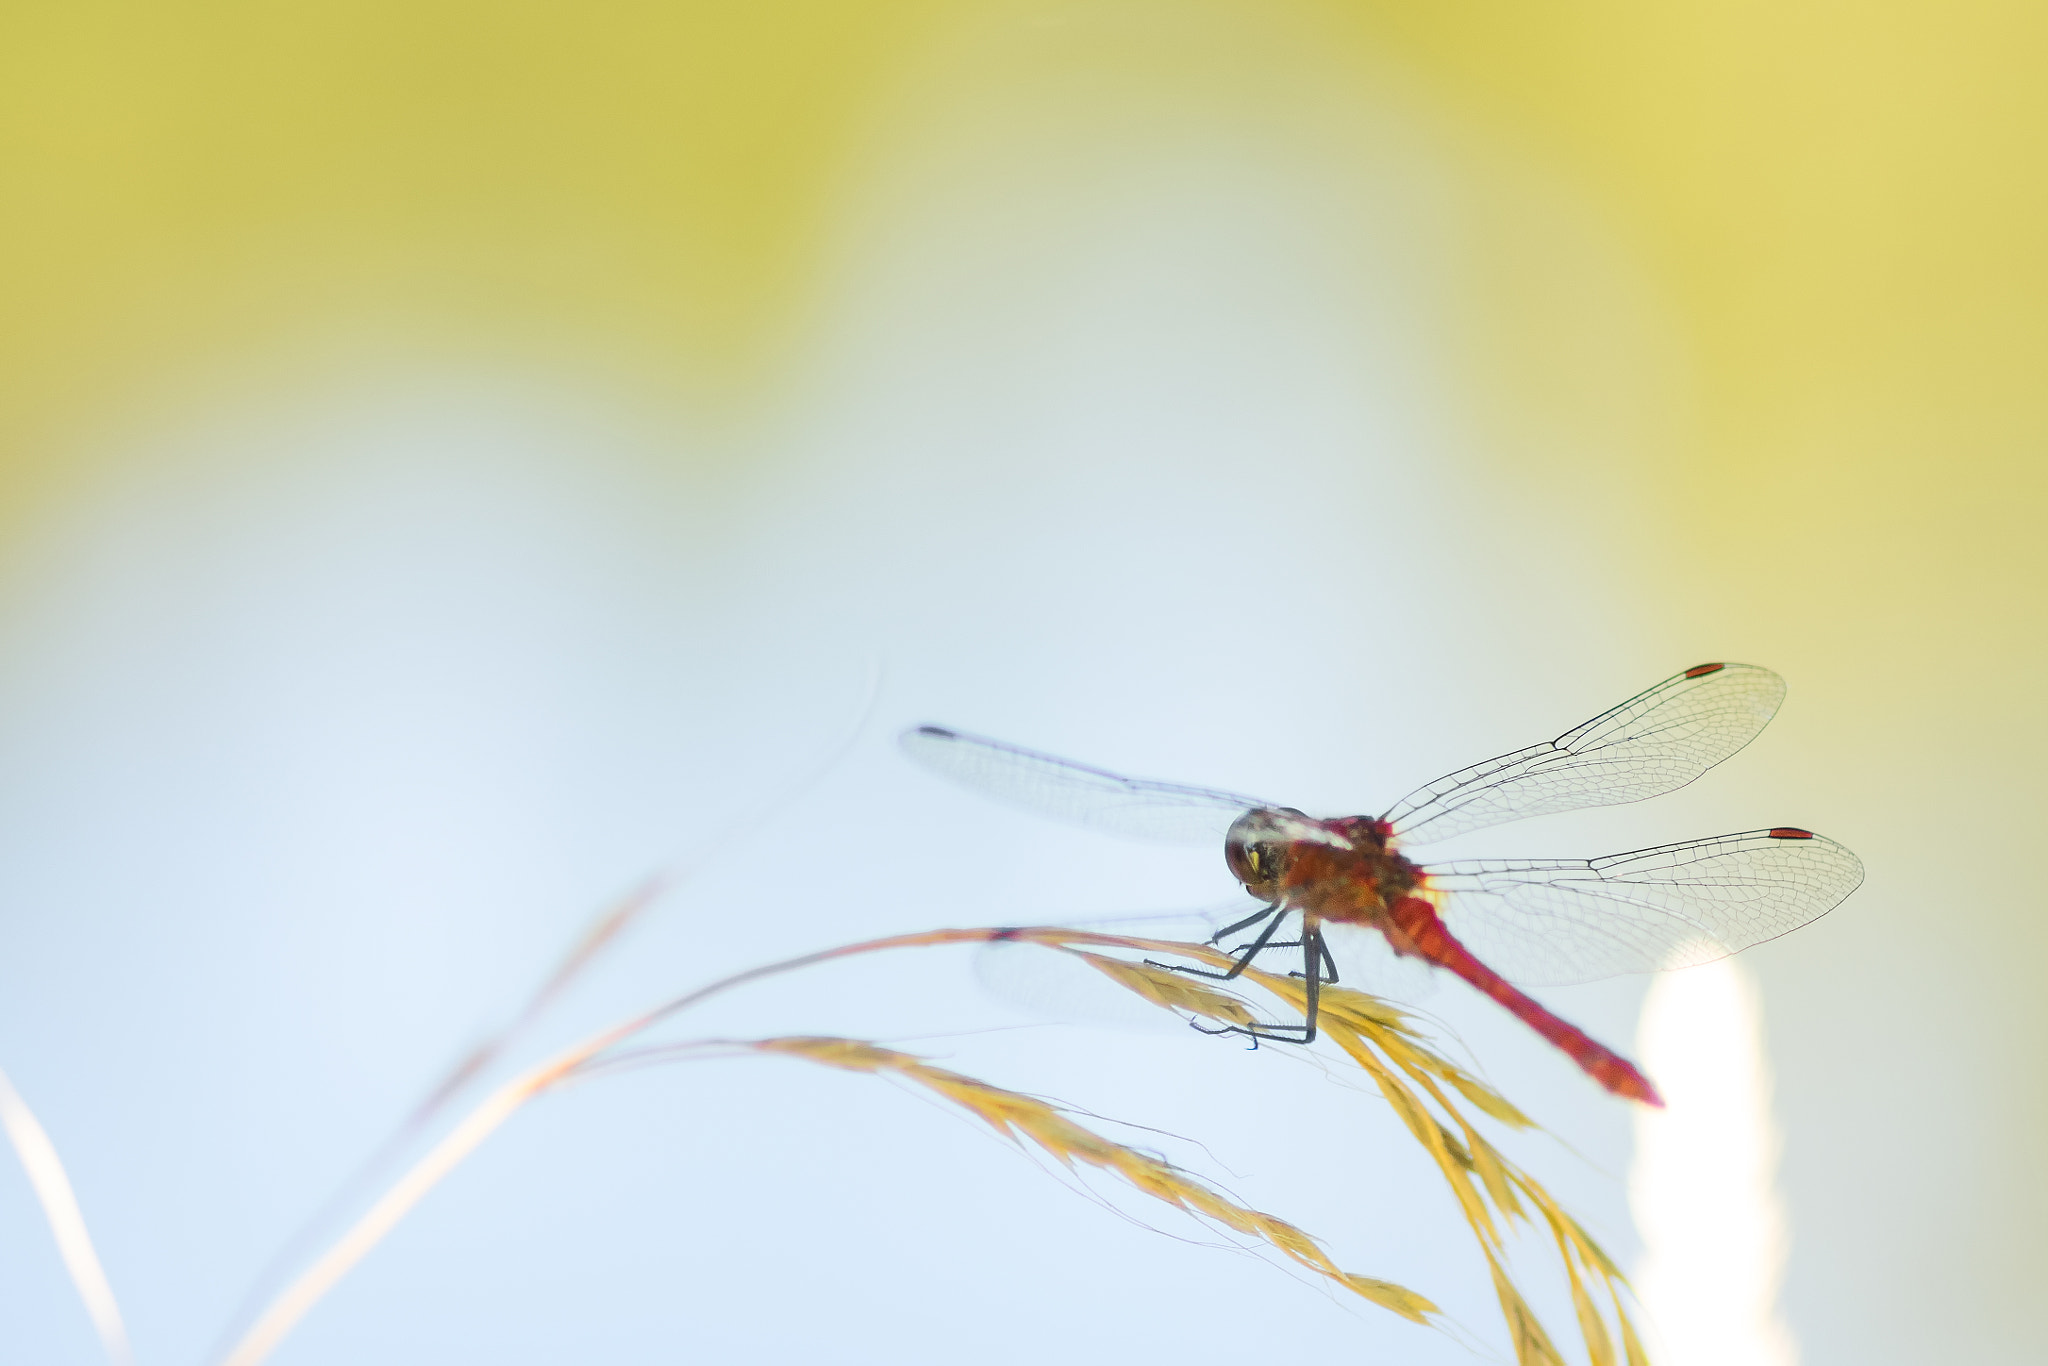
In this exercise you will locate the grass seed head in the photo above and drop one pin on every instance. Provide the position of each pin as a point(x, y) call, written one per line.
point(1056, 1133)
point(1419, 1084)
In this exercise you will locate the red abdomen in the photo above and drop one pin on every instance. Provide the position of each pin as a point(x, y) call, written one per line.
point(1418, 920)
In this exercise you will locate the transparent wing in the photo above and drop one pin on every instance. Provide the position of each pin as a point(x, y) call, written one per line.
point(1366, 963)
point(1170, 813)
point(1655, 742)
point(1559, 921)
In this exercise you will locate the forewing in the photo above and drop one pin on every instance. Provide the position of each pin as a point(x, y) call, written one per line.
point(1655, 742)
point(1559, 921)
point(1169, 813)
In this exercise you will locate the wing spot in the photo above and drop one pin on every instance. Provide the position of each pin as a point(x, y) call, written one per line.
point(1702, 670)
point(1790, 832)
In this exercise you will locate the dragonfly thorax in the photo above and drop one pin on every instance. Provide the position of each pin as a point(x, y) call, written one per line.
point(1338, 869)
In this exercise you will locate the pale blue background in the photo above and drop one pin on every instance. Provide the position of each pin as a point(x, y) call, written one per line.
point(310, 766)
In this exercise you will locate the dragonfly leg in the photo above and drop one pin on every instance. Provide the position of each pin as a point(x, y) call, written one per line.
point(1250, 951)
point(1316, 950)
point(1330, 965)
point(1254, 918)
point(1314, 955)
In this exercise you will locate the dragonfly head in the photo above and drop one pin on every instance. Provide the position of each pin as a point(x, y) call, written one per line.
point(1260, 845)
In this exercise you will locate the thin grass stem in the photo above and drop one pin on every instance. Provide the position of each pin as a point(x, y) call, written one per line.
point(1492, 1193)
point(67, 1223)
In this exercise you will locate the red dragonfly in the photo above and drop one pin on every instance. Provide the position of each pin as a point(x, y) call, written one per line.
point(1494, 923)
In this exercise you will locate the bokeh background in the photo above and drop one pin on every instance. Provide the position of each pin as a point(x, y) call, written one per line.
point(454, 457)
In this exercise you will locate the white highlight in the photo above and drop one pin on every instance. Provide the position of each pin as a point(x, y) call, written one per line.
point(60, 1206)
point(1714, 1232)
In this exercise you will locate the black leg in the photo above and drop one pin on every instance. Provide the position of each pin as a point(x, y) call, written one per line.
point(1250, 952)
point(1314, 954)
point(1317, 966)
point(1254, 918)
point(1329, 963)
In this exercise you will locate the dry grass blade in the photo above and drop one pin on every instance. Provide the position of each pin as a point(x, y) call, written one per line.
point(1419, 1084)
point(602, 931)
point(1170, 990)
point(612, 922)
point(1592, 1328)
point(1019, 1117)
point(1415, 1080)
point(596, 937)
point(284, 1312)
point(67, 1224)
point(1631, 1344)
point(1533, 1346)
point(1504, 1194)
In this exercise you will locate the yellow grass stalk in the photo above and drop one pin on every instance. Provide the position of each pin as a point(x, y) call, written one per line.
point(284, 1312)
point(67, 1224)
point(1493, 1194)
point(1019, 1117)
point(1416, 1081)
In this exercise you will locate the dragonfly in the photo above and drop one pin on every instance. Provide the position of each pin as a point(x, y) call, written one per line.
point(1499, 925)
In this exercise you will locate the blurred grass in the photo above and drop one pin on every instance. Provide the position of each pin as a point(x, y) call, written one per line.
point(1417, 1082)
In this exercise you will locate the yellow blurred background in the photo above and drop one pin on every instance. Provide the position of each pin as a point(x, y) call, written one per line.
point(1827, 455)
point(1840, 207)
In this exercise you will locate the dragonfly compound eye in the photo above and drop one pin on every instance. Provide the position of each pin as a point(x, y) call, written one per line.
point(1253, 855)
